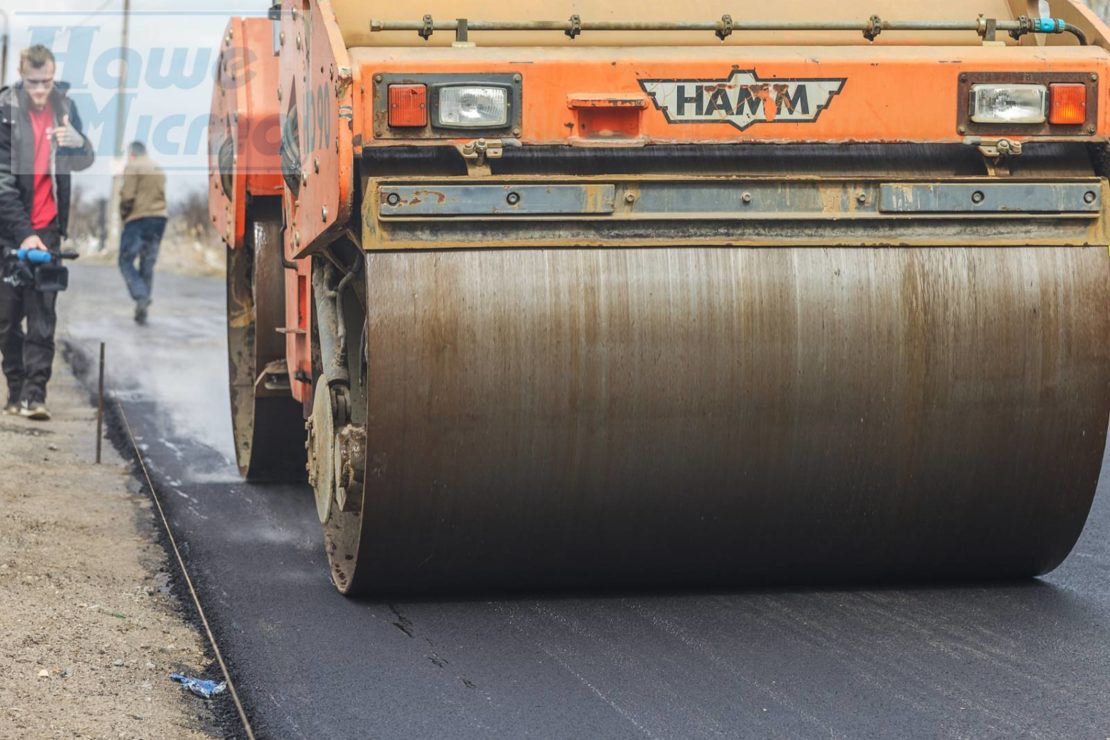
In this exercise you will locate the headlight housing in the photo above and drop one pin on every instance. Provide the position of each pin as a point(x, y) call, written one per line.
point(472, 106)
point(1020, 103)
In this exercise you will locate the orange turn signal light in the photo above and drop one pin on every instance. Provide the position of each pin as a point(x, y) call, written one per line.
point(408, 106)
point(1068, 104)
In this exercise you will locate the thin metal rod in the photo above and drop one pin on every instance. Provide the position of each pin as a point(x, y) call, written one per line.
point(100, 406)
point(450, 25)
point(185, 574)
point(575, 26)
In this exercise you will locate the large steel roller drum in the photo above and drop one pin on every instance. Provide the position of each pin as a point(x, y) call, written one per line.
point(572, 418)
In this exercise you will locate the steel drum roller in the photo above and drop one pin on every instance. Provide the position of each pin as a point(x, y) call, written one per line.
point(577, 418)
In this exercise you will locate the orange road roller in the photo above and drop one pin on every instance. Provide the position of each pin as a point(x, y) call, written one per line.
point(574, 295)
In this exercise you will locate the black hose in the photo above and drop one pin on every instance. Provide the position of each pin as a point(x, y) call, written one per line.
point(1074, 31)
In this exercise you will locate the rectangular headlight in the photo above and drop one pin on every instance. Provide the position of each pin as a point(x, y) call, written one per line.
point(472, 106)
point(1009, 103)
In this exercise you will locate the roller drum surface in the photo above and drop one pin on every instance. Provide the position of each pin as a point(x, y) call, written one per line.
point(630, 417)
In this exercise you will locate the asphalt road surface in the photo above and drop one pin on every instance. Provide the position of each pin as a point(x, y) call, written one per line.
point(996, 660)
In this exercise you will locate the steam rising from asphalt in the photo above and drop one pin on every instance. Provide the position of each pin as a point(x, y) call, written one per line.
point(177, 361)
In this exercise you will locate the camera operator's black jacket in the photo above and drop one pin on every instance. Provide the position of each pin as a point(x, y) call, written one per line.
point(17, 160)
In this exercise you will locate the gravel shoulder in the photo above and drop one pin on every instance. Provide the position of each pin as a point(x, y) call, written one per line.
point(91, 628)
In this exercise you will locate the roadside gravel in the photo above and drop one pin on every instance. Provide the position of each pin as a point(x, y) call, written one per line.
point(89, 628)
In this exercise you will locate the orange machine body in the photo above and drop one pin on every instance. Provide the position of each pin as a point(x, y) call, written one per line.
point(332, 82)
point(245, 128)
point(880, 95)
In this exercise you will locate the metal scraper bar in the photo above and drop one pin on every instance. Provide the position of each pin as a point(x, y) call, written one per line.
point(989, 198)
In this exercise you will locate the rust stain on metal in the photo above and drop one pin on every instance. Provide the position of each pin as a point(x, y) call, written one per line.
point(651, 368)
point(579, 100)
point(436, 195)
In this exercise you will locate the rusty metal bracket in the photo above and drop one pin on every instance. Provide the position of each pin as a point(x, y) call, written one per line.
point(724, 27)
point(274, 378)
point(286, 263)
point(575, 27)
point(428, 28)
point(997, 156)
point(476, 155)
point(874, 28)
point(988, 29)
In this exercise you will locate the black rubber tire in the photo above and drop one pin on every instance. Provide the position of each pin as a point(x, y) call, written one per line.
point(268, 430)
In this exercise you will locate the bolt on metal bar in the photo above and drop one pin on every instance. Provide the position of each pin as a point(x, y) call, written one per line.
point(728, 25)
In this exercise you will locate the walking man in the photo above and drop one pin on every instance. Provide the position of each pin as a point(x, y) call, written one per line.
point(142, 208)
point(40, 144)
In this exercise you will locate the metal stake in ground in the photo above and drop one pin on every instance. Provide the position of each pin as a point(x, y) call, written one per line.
point(100, 405)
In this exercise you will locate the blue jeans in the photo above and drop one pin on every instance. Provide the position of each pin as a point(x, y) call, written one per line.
point(140, 240)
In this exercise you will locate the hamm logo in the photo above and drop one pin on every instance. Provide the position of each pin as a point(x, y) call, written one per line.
point(742, 99)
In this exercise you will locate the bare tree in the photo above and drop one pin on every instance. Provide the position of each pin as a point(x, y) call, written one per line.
point(189, 215)
point(87, 220)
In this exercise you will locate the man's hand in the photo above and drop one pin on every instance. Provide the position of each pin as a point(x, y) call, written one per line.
point(33, 242)
point(67, 136)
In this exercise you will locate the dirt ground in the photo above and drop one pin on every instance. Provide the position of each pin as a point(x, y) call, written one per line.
point(89, 631)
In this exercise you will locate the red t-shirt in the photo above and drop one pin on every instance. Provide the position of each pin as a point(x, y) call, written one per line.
point(43, 207)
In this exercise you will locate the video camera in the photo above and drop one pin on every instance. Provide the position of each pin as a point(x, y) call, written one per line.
point(37, 268)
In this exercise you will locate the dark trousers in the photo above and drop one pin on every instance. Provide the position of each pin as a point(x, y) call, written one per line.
point(29, 356)
point(140, 240)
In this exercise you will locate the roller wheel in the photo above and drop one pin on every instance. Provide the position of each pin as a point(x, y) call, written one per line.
point(337, 438)
point(699, 416)
point(321, 449)
point(266, 421)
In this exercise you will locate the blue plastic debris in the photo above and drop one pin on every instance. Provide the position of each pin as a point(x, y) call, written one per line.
point(200, 686)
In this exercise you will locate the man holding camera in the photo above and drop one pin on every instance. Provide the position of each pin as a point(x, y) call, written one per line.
point(40, 144)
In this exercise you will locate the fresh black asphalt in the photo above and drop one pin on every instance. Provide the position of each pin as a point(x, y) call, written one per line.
point(985, 660)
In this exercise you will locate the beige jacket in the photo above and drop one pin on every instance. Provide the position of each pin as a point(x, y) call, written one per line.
point(143, 194)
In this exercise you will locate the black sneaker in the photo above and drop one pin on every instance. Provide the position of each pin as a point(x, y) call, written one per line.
point(141, 311)
point(11, 408)
point(34, 410)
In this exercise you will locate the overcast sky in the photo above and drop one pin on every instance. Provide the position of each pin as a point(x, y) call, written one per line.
point(173, 45)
